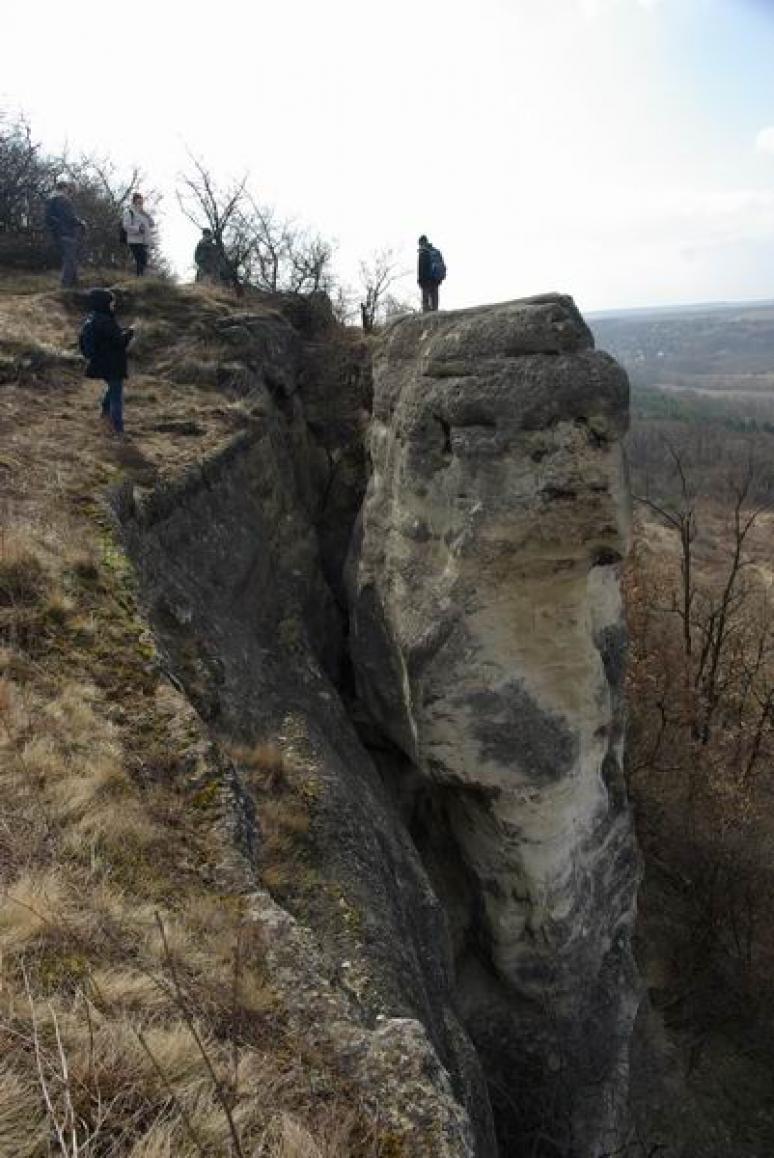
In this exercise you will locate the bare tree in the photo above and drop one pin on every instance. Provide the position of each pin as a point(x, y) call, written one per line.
point(24, 173)
point(102, 192)
point(221, 210)
point(681, 515)
point(27, 178)
point(377, 275)
point(282, 256)
point(258, 247)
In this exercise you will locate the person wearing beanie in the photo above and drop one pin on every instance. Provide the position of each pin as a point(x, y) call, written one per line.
point(103, 343)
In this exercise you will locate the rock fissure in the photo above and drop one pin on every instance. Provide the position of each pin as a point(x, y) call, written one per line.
point(442, 656)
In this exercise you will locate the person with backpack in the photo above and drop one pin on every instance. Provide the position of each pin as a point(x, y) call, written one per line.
point(103, 343)
point(67, 230)
point(136, 231)
point(207, 258)
point(431, 271)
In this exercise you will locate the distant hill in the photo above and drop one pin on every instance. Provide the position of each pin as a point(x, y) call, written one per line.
point(726, 347)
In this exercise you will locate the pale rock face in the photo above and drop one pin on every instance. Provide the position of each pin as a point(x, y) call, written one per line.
point(488, 644)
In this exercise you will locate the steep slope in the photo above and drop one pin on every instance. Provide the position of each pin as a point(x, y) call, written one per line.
point(337, 858)
point(139, 833)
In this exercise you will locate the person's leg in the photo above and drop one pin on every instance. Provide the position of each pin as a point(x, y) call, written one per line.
point(137, 255)
point(434, 296)
point(116, 404)
point(425, 299)
point(144, 263)
point(105, 407)
point(68, 248)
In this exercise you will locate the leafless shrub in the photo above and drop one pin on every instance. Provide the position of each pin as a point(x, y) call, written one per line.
point(27, 177)
point(377, 276)
point(258, 248)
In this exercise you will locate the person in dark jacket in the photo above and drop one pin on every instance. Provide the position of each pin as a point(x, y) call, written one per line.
point(104, 344)
point(425, 278)
point(207, 258)
point(67, 230)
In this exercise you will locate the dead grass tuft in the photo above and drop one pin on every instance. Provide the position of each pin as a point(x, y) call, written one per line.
point(23, 579)
point(263, 766)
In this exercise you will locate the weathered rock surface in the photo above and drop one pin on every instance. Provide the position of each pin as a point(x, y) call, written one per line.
point(488, 646)
point(232, 562)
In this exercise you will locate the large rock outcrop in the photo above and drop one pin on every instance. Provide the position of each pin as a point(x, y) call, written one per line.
point(236, 562)
point(488, 646)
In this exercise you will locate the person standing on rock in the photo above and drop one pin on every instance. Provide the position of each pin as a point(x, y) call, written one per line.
point(138, 227)
point(103, 343)
point(431, 271)
point(67, 230)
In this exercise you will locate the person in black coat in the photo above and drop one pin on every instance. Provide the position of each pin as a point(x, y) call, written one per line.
point(104, 344)
point(425, 276)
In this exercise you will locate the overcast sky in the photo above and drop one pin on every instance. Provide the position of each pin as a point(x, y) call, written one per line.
point(618, 150)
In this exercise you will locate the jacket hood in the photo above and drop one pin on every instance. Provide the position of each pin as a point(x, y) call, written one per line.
point(100, 301)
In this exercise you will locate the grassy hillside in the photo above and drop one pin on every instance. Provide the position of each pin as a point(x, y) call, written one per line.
point(138, 1015)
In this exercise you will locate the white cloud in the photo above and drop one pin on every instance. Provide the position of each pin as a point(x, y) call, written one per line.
point(764, 142)
point(592, 9)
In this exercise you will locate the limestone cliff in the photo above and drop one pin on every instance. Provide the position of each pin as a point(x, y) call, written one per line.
point(458, 743)
point(488, 646)
point(321, 672)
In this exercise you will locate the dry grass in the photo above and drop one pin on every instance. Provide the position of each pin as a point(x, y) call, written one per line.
point(136, 1014)
point(285, 793)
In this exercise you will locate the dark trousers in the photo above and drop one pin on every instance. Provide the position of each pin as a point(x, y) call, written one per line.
point(113, 404)
point(68, 251)
point(140, 255)
point(429, 296)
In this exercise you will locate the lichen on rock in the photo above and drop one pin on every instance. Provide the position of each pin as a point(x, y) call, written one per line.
point(487, 641)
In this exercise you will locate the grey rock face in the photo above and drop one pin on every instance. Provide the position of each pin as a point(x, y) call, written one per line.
point(231, 561)
point(488, 645)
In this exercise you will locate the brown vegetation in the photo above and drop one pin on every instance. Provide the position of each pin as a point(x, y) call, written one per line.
point(701, 775)
point(136, 1013)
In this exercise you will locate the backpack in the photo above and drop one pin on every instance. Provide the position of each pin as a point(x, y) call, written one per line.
point(437, 265)
point(122, 238)
point(86, 338)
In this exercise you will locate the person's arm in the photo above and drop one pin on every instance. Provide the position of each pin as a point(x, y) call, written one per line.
point(110, 335)
point(68, 217)
point(423, 267)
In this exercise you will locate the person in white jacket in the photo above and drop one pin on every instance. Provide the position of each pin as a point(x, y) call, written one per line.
point(138, 226)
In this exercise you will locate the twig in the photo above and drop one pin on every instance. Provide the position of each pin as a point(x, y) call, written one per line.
point(236, 980)
point(183, 1007)
point(39, 1064)
point(69, 1108)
